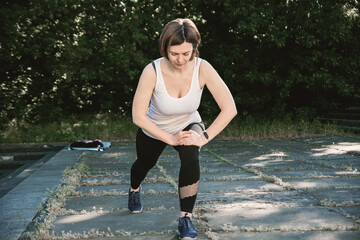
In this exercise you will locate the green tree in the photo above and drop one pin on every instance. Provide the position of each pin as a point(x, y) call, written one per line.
point(68, 56)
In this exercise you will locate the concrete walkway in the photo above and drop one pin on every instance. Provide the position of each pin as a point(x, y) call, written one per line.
point(299, 189)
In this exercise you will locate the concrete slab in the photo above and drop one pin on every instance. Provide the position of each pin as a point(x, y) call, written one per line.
point(104, 180)
point(266, 156)
point(153, 236)
point(321, 173)
point(322, 146)
point(296, 235)
point(153, 173)
point(230, 143)
point(121, 179)
point(122, 171)
point(345, 163)
point(282, 144)
point(316, 156)
point(238, 147)
point(271, 163)
point(112, 158)
point(343, 182)
point(270, 218)
point(150, 236)
point(329, 140)
point(108, 172)
point(124, 188)
point(19, 206)
point(208, 159)
point(231, 203)
point(114, 151)
point(117, 203)
point(350, 211)
point(12, 228)
point(110, 166)
point(218, 166)
point(236, 186)
point(286, 165)
point(335, 150)
point(329, 153)
point(119, 223)
point(228, 176)
point(255, 199)
point(237, 152)
point(338, 195)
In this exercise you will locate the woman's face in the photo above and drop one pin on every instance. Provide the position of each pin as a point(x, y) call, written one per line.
point(179, 55)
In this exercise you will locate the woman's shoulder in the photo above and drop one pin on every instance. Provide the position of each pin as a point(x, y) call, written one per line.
point(205, 67)
point(149, 71)
point(158, 59)
point(152, 63)
point(202, 61)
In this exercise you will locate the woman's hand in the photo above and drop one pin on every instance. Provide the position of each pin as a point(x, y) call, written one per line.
point(190, 137)
point(173, 140)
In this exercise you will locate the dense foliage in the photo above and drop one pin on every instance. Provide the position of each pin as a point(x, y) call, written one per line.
point(59, 57)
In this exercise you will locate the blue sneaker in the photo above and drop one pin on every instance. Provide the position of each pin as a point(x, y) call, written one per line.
point(134, 202)
point(186, 229)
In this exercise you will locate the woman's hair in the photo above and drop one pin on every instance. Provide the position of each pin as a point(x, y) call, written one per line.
point(177, 32)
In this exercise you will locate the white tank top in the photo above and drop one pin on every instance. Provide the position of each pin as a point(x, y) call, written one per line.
point(174, 114)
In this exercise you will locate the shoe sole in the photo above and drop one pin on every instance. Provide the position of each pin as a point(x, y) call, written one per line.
point(187, 238)
point(135, 212)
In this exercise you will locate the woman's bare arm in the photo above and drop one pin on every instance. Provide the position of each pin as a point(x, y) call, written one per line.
point(140, 106)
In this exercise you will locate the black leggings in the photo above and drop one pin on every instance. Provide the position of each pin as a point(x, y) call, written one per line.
point(148, 152)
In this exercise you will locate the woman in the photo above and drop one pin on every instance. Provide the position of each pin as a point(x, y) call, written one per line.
point(165, 109)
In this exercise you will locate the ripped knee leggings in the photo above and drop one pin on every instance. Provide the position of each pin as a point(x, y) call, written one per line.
point(148, 152)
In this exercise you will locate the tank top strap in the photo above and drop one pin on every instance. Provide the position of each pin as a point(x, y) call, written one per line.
point(159, 80)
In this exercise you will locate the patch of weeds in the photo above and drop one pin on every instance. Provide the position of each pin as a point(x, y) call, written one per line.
point(93, 233)
point(162, 207)
point(352, 217)
point(327, 203)
point(228, 227)
point(265, 177)
point(152, 191)
point(210, 202)
point(168, 178)
point(155, 179)
point(95, 193)
point(94, 211)
point(256, 229)
point(155, 233)
point(309, 176)
point(103, 182)
point(53, 206)
point(231, 178)
point(204, 224)
point(107, 174)
point(347, 168)
point(349, 216)
point(286, 229)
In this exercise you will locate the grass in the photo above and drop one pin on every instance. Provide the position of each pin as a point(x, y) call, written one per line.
point(111, 127)
point(253, 129)
point(107, 127)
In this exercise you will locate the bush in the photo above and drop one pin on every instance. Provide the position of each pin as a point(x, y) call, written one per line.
point(63, 57)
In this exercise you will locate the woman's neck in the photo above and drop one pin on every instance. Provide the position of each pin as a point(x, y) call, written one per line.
point(175, 70)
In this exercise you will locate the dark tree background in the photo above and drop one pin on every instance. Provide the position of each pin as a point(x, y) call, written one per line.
point(59, 57)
